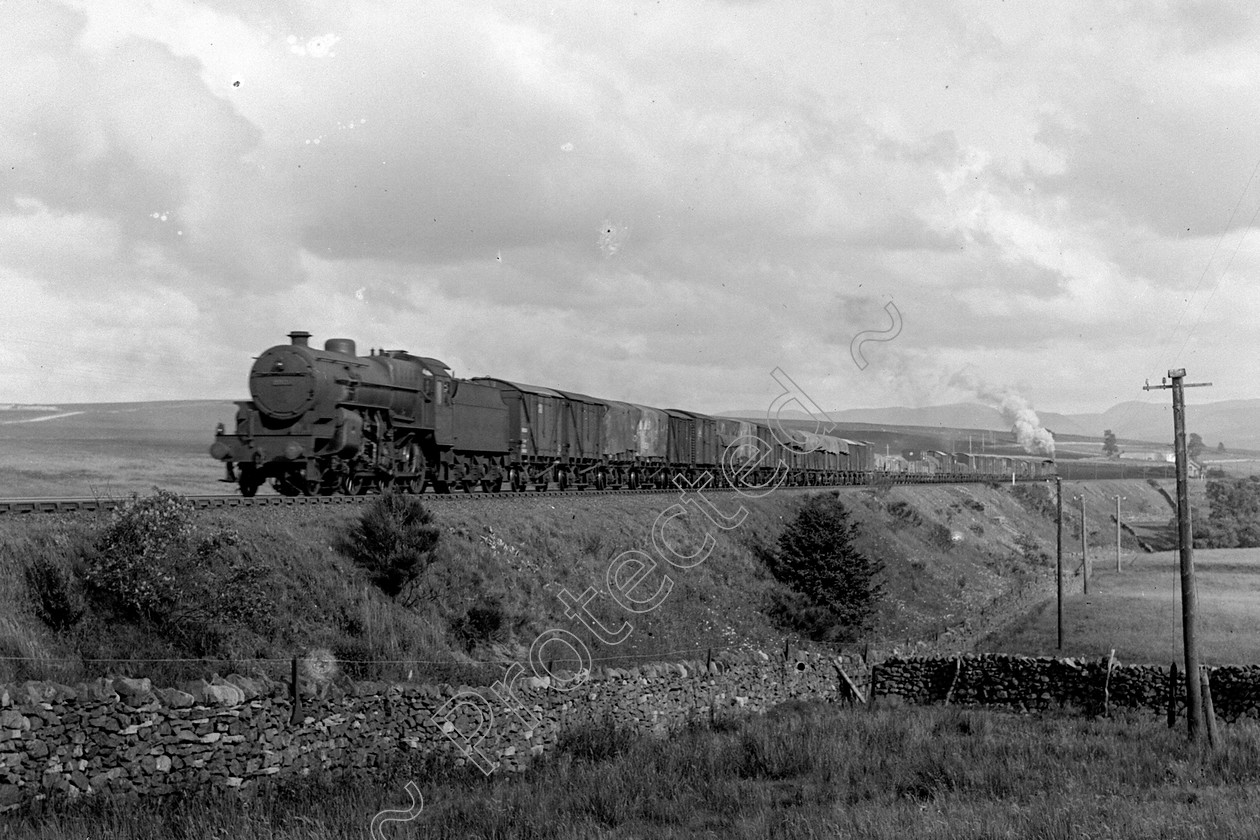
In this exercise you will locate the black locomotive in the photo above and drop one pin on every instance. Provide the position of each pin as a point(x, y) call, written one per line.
point(330, 420)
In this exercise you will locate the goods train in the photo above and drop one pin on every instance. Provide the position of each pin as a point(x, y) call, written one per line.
point(331, 421)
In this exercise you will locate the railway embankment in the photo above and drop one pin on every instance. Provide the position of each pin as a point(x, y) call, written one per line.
point(959, 560)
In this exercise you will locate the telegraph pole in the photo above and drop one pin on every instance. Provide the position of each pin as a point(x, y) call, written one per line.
point(1058, 567)
point(1189, 598)
point(1118, 534)
point(1084, 548)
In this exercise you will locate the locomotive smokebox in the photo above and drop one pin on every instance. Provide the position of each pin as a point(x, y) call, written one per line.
point(300, 338)
point(345, 346)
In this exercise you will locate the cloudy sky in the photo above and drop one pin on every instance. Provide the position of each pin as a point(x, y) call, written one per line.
point(659, 202)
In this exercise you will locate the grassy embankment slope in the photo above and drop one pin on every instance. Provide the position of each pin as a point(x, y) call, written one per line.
point(952, 553)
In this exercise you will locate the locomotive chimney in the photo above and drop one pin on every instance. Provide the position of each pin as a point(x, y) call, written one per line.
point(300, 338)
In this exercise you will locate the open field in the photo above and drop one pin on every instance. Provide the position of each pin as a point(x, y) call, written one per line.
point(1138, 612)
point(110, 451)
point(802, 771)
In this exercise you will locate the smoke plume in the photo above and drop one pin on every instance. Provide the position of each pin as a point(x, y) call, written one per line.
point(1016, 410)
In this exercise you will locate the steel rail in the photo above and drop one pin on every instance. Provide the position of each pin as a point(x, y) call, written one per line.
point(223, 500)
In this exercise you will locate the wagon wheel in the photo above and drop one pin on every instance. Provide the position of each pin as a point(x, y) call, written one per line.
point(633, 481)
point(249, 481)
point(352, 484)
point(466, 484)
point(328, 483)
point(286, 486)
point(515, 480)
point(601, 480)
point(562, 479)
point(413, 466)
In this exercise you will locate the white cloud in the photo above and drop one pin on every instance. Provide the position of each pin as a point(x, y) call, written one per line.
point(670, 200)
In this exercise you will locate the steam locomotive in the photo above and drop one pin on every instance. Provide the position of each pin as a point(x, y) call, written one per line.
point(331, 421)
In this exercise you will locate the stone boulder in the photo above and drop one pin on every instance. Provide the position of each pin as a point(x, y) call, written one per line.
point(173, 698)
point(252, 688)
point(215, 694)
point(100, 690)
point(134, 692)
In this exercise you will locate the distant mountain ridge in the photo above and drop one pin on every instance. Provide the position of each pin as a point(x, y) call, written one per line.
point(1236, 423)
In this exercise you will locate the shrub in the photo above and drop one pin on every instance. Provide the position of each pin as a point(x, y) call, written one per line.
point(153, 564)
point(135, 564)
point(1036, 498)
point(902, 510)
point(942, 537)
point(394, 541)
point(1234, 518)
point(484, 623)
point(1030, 550)
point(56, 593)
point(834, 587)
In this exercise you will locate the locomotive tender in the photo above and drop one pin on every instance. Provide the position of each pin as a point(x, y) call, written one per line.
point(331, 421)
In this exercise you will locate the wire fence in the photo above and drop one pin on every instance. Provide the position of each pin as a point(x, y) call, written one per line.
point(321, 666)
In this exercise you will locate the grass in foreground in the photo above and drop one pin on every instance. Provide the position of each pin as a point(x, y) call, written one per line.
point(803, 771)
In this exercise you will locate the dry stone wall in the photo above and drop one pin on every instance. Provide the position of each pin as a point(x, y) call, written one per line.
point(1033, 683)
point(123, 737)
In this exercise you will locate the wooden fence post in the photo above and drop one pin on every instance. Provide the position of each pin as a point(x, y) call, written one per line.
point(1172, 696)
point(1206, 683)
point(954, 683)
point(850, 688)
point(1111, 663)
point(296, 715)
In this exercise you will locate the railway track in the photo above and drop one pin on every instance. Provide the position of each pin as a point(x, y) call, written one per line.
point(226, 500)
